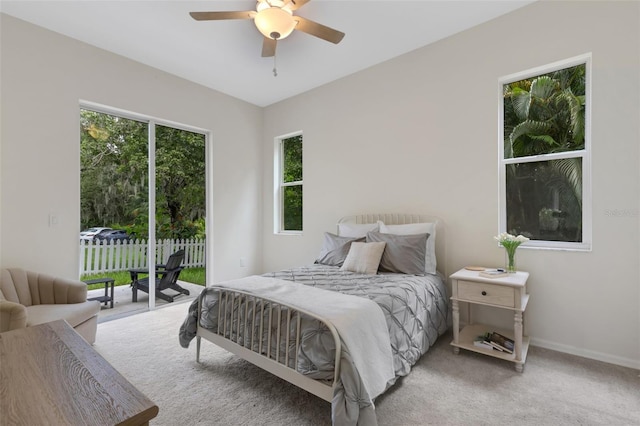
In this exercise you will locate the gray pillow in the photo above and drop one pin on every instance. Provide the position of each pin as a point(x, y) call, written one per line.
point(404, 254)
point(335, 249)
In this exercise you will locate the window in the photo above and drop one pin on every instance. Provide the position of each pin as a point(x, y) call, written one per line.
point(288, 179)
point(545, 155)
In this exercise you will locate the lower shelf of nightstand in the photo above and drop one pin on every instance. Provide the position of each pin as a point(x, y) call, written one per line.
point(469, 333)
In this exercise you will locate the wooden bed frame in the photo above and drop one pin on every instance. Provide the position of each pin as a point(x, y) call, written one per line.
point(245, 343)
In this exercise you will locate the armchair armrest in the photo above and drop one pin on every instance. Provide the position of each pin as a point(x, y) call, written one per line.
point(12, 316)
point(162, 272)
point(133, 273)
point(76, 291)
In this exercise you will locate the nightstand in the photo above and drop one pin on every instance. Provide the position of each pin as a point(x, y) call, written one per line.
point(506, 292)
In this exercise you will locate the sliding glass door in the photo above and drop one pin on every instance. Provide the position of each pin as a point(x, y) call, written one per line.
point(142, 225)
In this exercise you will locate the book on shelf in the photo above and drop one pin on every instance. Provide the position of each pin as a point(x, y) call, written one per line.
point(481, 343)
point(493, 273)
point(502, 340)
point(500, 348)
point(499, 341)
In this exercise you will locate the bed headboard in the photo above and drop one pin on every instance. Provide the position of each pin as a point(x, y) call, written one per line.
point(405, 218)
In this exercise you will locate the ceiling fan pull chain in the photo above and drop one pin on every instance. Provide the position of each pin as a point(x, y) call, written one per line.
point(275, 70)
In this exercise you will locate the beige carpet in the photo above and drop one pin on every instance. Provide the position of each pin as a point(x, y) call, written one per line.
point(442, 389)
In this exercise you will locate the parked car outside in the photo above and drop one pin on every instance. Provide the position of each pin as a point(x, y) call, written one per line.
point(113, 235)
point(91, 233)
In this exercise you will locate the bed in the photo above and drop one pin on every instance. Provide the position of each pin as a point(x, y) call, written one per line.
point(344, 328)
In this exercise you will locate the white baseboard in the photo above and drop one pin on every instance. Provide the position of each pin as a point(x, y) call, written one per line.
point(585, 353)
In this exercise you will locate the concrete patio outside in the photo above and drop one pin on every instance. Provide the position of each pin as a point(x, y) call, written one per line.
point(123, 306)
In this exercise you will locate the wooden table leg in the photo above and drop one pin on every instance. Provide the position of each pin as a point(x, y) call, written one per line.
point(456, 325)
point(113, 283)
point(517, 338)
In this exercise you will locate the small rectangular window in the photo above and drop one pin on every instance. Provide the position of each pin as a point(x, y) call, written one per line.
point(545, 171)
point(289, 184)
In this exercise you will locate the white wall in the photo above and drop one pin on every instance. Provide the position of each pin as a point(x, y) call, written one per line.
point(419, 133)
point(44, 76)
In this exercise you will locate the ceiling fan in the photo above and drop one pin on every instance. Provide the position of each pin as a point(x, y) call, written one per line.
point(275, 20)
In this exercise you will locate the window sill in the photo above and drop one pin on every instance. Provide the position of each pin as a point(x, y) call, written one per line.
point(557, 246)
point(291, 233)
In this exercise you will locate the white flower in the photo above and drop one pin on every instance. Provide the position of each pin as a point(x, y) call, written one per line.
point(508, 238)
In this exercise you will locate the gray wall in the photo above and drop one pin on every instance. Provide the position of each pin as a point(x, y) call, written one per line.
point(419, 133)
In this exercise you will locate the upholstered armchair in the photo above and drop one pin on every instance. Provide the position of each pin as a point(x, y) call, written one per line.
point(29, 298)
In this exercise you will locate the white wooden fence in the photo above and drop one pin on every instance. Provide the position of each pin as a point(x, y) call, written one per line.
point(122, 256)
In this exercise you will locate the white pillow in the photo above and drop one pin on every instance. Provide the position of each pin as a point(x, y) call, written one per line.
point(413, 229)
point(356, 230)
point(364, 258)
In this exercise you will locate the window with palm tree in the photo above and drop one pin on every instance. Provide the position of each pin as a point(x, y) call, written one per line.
point(545, 155)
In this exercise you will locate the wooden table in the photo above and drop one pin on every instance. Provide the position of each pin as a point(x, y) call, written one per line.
point(49, 375)
point(106, 298)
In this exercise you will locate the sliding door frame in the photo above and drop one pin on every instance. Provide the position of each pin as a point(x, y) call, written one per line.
point(152, 122)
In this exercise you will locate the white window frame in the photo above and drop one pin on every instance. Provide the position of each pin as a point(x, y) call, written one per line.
point(585, 154)
point(279, 184)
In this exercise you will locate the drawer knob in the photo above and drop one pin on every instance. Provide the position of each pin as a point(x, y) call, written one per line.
point(484, 293)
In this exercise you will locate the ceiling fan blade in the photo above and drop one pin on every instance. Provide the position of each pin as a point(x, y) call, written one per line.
point(269, 47)
point(217, 16)
point(318, 30)
point(296, 4)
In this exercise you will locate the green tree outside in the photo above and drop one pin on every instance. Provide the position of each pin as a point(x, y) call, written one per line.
point(292, 173)
point(545, 115)
point(114, 177)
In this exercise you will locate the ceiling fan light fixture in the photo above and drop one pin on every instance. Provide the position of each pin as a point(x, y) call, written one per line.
point(274, 22)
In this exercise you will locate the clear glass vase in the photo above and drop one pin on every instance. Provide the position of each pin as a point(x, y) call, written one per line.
point(510, 261)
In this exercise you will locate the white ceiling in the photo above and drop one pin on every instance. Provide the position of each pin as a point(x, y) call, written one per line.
point(225, 55)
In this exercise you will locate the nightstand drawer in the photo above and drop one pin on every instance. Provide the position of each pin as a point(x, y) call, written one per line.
point(486, 293)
